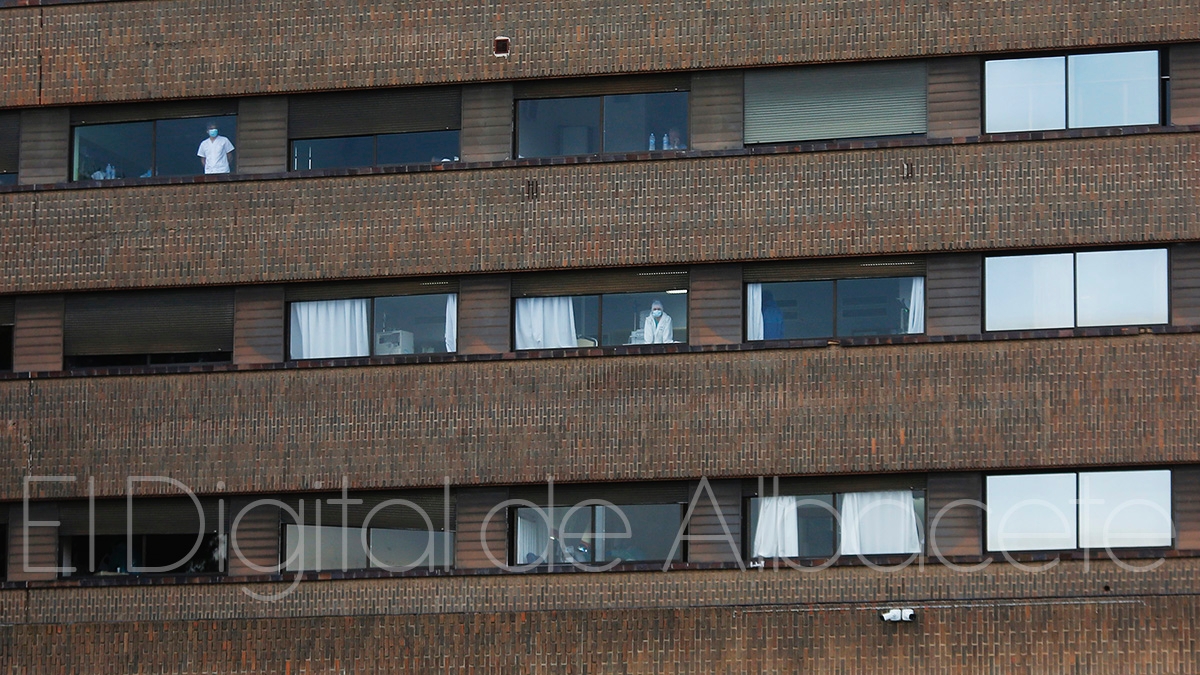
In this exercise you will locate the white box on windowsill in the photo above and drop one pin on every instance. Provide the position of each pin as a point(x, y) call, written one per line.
point(393, 342)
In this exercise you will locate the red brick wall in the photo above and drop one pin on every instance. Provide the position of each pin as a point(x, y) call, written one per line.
point(1099, 619)
point(1067, 192)
point(1038, 403)
point(186, 48)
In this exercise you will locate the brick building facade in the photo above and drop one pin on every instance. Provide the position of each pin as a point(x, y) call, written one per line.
point(933, 271)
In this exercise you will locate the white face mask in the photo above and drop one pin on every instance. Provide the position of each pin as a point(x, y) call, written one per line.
point(212, 133)
point(656, 312)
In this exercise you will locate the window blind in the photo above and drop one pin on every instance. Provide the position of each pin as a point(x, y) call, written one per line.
point(376, 111)
point(149, 322)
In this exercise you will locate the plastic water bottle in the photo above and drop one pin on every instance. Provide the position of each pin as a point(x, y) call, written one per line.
point(652, 142)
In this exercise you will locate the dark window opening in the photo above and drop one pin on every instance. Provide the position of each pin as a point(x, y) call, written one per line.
point(6, 347)
point(164, 147)
point(114, 360)
point(418, 147)
point(170, 551)
point(843, 308)
point(555, 127)
point(8, 179)
point(596, 534)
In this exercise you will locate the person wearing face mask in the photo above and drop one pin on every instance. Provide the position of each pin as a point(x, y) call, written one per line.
point(658, 326)
point(214, 152)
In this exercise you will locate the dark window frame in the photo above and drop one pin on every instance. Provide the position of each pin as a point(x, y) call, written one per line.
point(72, 159)
point(603, 108)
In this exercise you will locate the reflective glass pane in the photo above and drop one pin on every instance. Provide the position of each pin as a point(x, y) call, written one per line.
point(797, 310)
point(312, 549)
point(1125, 508)
point(333, 153)
point(418, 148)
point(649, 533)
point(627, 319)
point(107, 151)
point(1026, 94)
point(1029, 291)
point(549, 535)
point(413, 324)
point(8, 179)
point(553, 127)
point(1115, 288)
point(630, 120)
point(410, 548)
point(1031, 512)
point(880, 306)
point(176, 143)
point(1109, 90)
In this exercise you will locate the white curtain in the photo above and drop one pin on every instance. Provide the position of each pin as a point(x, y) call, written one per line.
point(452, 323)
point(916, 306)
point(879, 523)
point(330, 329)
point(545, 323)
point(533, 538)
point(754, 317)
point(777, 534)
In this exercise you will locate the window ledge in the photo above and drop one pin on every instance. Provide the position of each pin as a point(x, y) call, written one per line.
point(756, 150)
point(628, 350)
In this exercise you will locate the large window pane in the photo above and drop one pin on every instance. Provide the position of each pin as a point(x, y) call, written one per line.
point(626, 316)
point(107, 151)
point(651, 532)
point(1113, 89)
point(418, 147)
point(796, 310)
point(880, 523)
point(1029, 292)
point(410, 548)
point(558, 126)
point(333, 153)
point(1116, 288)
point(880, 306)
point(629, 120)
point(547, 535)
point(329, 329)
point(775, 535)
point(412, 324)
point(1125, 508)
point(1026, 94)
point(176, 142)
point(311, 549)
point(1031, 512)
point(8, 179)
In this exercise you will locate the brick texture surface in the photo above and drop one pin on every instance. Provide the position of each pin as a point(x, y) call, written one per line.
point(186, 48)
point(1037, 403)
point(984, 195)
point(1096, 619)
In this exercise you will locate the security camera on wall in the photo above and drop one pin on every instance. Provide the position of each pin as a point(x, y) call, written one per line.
point(897, 615)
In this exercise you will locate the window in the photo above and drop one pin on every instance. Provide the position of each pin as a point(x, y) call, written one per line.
point(842, 101)
point(403, 324)
point(148, 328)
point(7, 316)
point(1055, 511)
point(552, 127)
point(159, 536)
point(827, 308)
point(414, 125)
point(1081, 90)
point(597, 534)
point(879, 522)
point(396, 527)
point(1064, 290)
point(10, 146)
point(142, 149)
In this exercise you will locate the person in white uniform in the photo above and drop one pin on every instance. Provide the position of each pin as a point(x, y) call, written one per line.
point(657, 330)
point(214, 151)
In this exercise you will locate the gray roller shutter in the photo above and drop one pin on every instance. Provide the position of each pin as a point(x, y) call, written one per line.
point(541, 284)
point(136, 112)
point(616, 493)
point(7, 311)
point(149, 322)
point(377, 111)
point(393, 516)
point(376, 288)
point(10, 141)
point(843, 101)
point(854, 268)
point(150, 516)
point(602, 86)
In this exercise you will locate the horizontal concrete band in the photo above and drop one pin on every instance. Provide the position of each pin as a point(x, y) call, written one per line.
point(929, 586)
point(924, 407)
point(1138, 636)
point(1143, 188)
point(123, 51)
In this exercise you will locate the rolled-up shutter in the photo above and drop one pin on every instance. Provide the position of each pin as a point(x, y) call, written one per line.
point(842, 101)
point(149, 322)
point(10, 141)
point(379, 288)
point(169, 515)
point(7, 311)
point(654, 492)
point(136, 112)
point(378, 111)
point(853, 268)
point(601, 86)
point(392, 516)
point(822, 485)
point(541, 284)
